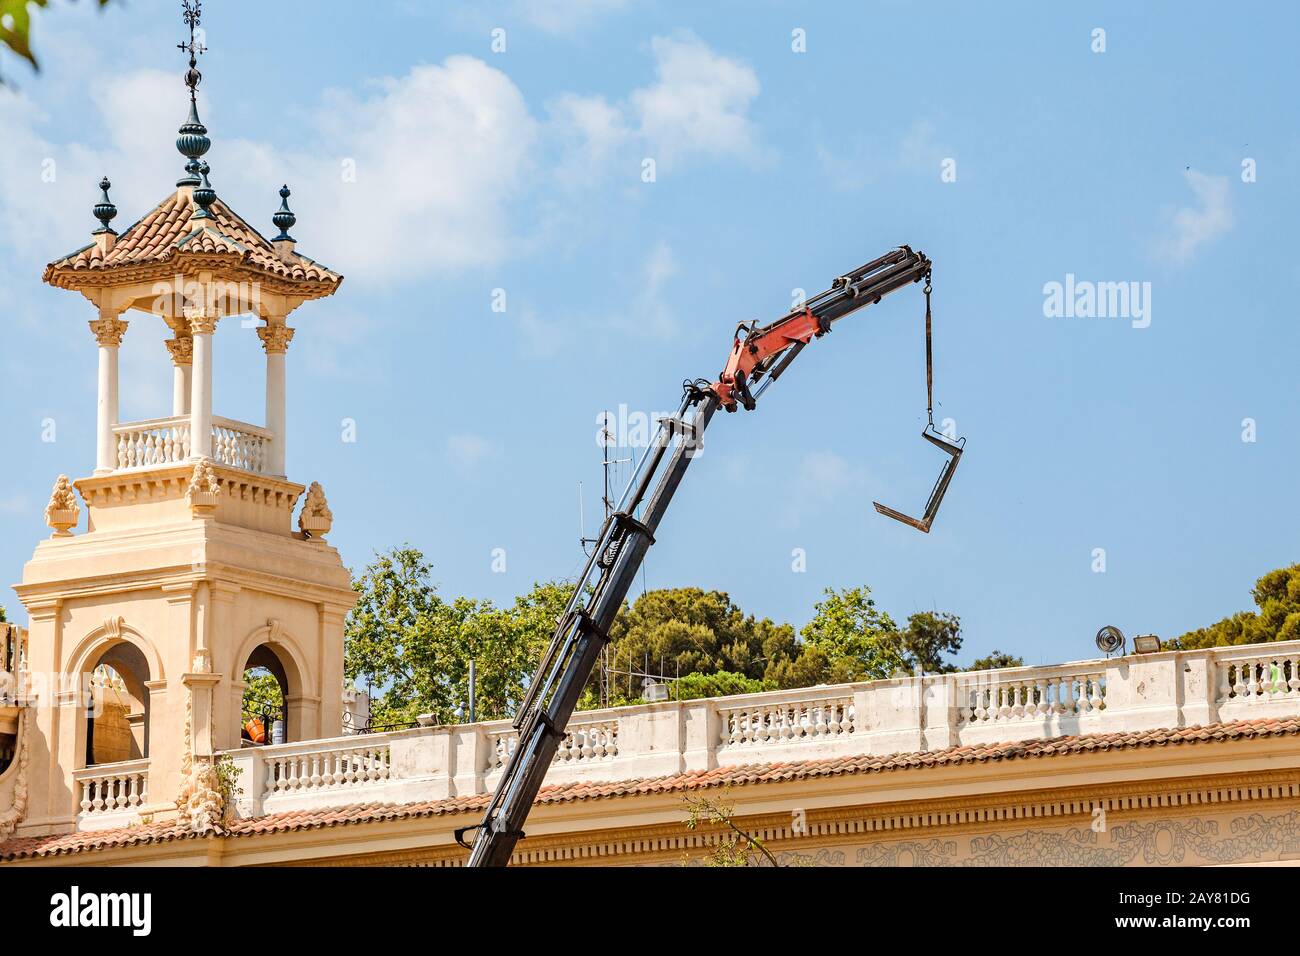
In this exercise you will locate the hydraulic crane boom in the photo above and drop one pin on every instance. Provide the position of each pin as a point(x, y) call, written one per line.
point(758, 355)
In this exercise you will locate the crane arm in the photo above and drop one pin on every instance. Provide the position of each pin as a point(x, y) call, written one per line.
point(582, 630)
point(769, 349)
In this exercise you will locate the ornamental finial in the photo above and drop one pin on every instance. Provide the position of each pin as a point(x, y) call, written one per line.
point(284, 218)
point(192, 13)
point(62, 512)
point(104, 209)
point(193, 140)
point(204, 196)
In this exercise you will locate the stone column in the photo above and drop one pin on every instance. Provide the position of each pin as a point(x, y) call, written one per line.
point(203, 324)
point(108, 330)
point(275, 336)
point(182, 350)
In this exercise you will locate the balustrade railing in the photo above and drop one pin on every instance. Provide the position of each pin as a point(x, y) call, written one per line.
point(583, 743)
point(166, 441)
point(159, 441)
point(1255, 673)
point(786, 721)
point(347, 767)
point(112, 790)
point(1030, 694)
point(240, 445)
point(873, 718)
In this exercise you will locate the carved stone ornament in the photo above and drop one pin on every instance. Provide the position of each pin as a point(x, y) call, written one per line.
point(200, 803)
point(181, 349)
point(108, 330)
point(205, 488)
point(11, 817)
point(63, 512)
point(275, 338)
point(202, 321)
point(316, 519)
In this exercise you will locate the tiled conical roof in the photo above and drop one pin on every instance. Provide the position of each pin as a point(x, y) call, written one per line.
point(162, 240)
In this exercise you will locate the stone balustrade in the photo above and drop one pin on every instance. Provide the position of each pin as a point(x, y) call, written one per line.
point(241, 445)
point(166, 441)
point(910, 714)
point(111, 794)
point(157, 441)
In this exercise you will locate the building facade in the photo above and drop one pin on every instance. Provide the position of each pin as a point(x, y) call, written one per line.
point(123, 739)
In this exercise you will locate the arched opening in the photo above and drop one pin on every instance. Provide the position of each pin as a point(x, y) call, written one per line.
point(117, 722)
point(264, 716)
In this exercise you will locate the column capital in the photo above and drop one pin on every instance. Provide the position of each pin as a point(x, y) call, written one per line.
point(108, 330)
point(275, 338)
point(202, 321)
point(181, 349)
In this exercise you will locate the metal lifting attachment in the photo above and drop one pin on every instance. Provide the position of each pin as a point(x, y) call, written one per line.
point(949, 447)
point(759, 355)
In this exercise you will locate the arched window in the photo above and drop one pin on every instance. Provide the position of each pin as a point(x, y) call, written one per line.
point(117, 722)
point(264, 718)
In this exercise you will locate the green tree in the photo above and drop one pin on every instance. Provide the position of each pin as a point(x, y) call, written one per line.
point(1277, 597)
point(930, 636)
point(692, 631)
point(16, 27)
point(850, 639)
point(719, 684)
point(995, 660)
point(413, 648)
point(3, 619)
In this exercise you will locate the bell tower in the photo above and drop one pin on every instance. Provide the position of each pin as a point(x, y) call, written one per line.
point(191, 569)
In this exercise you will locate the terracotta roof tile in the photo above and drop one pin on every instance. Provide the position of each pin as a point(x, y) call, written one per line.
point(45, 846)
point(168, 230)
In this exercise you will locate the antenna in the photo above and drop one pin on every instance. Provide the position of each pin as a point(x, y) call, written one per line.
point(607, 441)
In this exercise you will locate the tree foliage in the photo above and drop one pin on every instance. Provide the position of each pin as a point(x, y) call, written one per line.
point(16, 27)
point(995, 660)
point(676, 631)
point(1277, 597)
point(413, 649)
point(718, 684)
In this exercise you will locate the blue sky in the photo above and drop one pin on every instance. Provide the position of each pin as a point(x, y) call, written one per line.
point(521, 170)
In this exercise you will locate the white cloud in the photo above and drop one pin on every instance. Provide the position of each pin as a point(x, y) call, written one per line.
point(467, 451)
point(918, 149)
point(591, 131)
point(1192, 227)
point(698, 103)
point(437, 155)
point(442, 158)
point(565, 16)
